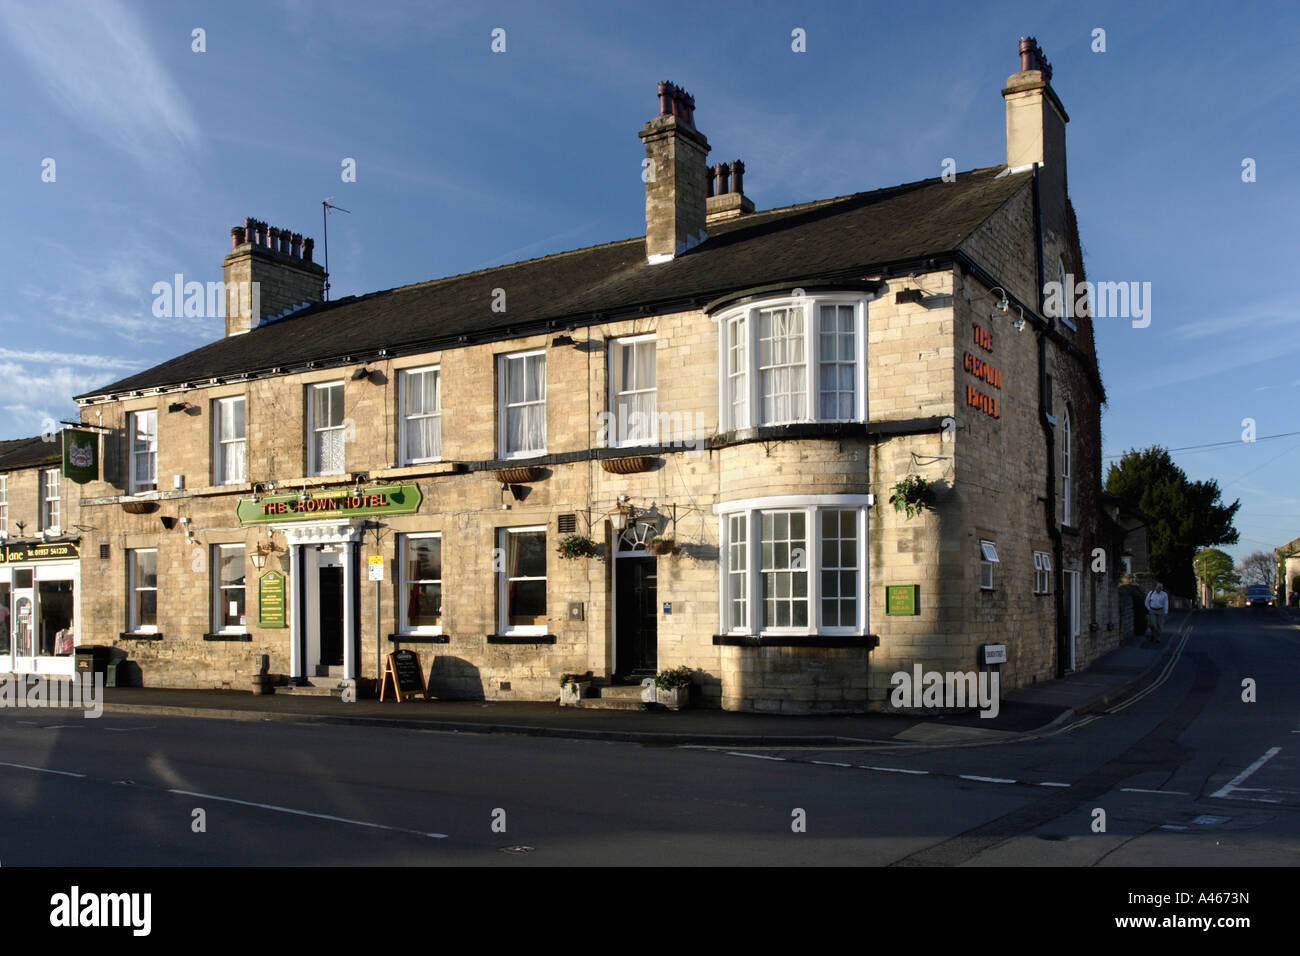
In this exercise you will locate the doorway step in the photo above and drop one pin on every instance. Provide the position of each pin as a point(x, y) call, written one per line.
point(614, 697)
point(325, 685)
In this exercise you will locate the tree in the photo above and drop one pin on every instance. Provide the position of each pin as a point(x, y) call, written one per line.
point(1214, 567)
point(1258, 567)
point(1187, 515)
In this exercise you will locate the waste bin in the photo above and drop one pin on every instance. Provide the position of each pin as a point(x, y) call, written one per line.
point(92, 658)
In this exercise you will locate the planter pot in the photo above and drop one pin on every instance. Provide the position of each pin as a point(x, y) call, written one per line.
point(628, 466)
point(573, 692)
point(519, 476)
point(674, 698)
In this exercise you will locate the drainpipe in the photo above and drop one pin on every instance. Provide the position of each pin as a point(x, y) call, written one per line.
point(1049, 438)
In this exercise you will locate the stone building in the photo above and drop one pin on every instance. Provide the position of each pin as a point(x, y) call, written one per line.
point(723, 407)
point(40, 571)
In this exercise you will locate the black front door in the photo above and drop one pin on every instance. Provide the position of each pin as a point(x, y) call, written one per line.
point(636, 642)
point(331, 616)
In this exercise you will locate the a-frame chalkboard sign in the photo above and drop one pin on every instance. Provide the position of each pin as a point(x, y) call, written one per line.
point(405, 675)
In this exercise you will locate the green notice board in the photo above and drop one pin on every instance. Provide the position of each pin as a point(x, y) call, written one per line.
point(270, 600)
point(902, 599)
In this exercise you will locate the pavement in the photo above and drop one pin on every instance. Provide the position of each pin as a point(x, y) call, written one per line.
point(1034, 709)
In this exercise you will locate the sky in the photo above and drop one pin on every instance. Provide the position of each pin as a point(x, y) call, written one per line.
point(127, 153)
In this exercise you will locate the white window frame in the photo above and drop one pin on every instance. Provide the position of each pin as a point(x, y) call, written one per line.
point(738, 331)
point(219, 590)
point(748, 513)
point(503, 580)
point(133, 593)
point(148, 450)
point(403, 582)
point(402, 416)
point(503, 365)
point(4, 506)
point(220, 444)
point(313, 465)
point(1067, 479)
point(988, 558)
point(51, 505)
point(1042, 572)
point(617, 432)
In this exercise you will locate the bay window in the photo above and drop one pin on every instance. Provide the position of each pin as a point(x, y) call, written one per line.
point(797, 359)
point(809, 554)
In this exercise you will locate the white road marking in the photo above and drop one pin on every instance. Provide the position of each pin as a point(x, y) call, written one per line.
point(1053, 784)
point(1240, 778)
point(1176, 793)
point(830, 763)
point(971, 776)
point(23, 766)
point(737, 753)
point(307, 813)
point(896, 770)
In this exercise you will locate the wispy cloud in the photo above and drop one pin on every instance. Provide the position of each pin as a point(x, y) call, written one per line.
point(65, 358)
point(101, 69)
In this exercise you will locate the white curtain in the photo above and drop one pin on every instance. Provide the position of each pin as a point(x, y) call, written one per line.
point(783, 366)
point(526, 400)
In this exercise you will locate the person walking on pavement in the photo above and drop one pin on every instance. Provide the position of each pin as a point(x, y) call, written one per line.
point(1157, 607)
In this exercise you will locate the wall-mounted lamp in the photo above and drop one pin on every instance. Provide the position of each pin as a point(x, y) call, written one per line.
point(360, 373)
point(1002, 305)
point(561, 340)
point(179, 406)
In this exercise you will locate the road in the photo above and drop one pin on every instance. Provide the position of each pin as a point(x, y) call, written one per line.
point(1188, 774)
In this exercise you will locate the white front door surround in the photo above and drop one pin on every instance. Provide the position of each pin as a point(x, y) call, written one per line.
point(303, 539)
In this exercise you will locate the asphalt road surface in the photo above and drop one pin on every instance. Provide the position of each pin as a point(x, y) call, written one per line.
point(1186, 774)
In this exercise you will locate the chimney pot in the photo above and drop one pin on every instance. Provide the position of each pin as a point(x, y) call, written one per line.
point(737, 172)
point(665, 99)
point(236, 238)
point(307, 246)
point(295, 245)
point(275, 239)
point(723, 174)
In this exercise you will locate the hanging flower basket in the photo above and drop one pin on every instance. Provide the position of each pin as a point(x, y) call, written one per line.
point(139, 507)
point(912, 495)
point(661, 546)
point(628, 466)
point(576, 546)
point(520, 475)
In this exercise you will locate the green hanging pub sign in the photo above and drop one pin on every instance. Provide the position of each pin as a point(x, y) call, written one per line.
point(365, 502)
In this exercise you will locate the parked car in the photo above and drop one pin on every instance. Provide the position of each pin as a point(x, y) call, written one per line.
point(1259, 595)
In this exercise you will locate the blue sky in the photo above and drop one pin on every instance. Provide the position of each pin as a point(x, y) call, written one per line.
point(468, 158)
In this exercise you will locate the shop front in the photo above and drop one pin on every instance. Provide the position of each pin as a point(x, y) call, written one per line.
point(39, 607)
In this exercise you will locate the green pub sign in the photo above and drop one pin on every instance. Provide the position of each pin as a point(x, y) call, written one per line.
point(371, 500)
point(270, 600)
point(903, 599)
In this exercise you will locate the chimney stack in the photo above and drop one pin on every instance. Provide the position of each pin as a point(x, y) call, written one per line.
point(675, 177)
point(727, 198)
point(1036, 123)
point(268, 273)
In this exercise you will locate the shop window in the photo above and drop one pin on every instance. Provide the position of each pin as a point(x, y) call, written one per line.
point(144, 451)
point(326, 431)
point(988, 558)
point(522, 580)
point(55, 628)
point(421, 398)
point(228, 610)
point(633, 393)
point(6, 629)
point(230, 453)
point(420, 587)
point(522, 401)
point(142, 590)
point(50, 500)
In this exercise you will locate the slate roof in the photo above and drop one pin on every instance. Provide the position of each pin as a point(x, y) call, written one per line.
point(837, 238)
point(29, 452)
